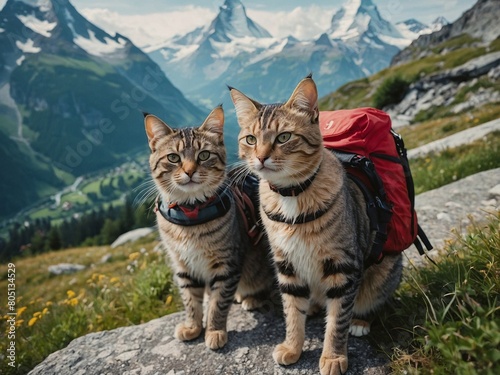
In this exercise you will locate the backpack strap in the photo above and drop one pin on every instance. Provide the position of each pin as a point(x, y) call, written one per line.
point(378, 210)
point(376, 253)
point(421, 237)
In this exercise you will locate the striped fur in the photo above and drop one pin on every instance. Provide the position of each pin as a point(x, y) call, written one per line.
point(319, 262)
point(216, 257)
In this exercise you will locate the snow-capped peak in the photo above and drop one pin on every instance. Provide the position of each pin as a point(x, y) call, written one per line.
point(233, 22)
point(438, 23)
point(43, 5)
point(358, 17)
point(412, 25)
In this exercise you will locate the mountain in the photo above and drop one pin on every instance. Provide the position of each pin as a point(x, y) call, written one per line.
point(448, 80)
point(233, 49)
point(480, 23)
point(206, 53)
point(71, 97)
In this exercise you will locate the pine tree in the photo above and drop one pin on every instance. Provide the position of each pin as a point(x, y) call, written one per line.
point(54, 239)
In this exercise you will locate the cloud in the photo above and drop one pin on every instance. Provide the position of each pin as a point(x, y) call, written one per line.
point(301, 22)
point(148, 29)
point(154, 28)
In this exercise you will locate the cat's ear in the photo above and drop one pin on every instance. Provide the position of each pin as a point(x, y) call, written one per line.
point(214, 121)
point(155, 129)
point(246, 108)
point(305, 97)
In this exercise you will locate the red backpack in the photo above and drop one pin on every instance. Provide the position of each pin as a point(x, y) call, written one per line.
point(375, 159)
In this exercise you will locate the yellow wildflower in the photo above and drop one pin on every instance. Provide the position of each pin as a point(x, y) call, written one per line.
point(101, 277)
point(37, 315)
point(70, 294)
point(114, 280)
point(45, 311)
point(169, 300)
point(32, 321)
point(134, 256)
point(21, 310)
point(73, 302)
point(48, 303)
point(19, 322)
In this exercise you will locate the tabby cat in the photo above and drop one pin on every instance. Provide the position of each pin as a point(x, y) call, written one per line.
point(200, 226)
point(317, 225)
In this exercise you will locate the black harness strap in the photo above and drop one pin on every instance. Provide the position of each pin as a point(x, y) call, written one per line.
point(213, 208)
point(303, 218)
point(293, 191)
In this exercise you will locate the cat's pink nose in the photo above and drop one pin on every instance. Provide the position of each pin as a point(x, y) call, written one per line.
point(262, 159)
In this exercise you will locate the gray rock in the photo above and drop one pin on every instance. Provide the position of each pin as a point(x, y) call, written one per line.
point(106, 258)
point(150, 348)
point(131, 236)
point(65, 268)
point(495, 191)
point(457, 139)
point(446, 212)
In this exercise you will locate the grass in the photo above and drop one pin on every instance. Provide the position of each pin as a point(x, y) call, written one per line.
point(446, 317)
point(447, 124)
point(132, 287)
point(438, 169)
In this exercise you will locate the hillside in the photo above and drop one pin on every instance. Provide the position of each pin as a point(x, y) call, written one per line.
point(71, 97)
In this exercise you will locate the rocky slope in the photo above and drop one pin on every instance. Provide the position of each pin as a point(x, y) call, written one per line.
point(480, 22)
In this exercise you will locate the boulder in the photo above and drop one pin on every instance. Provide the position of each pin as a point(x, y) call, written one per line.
point(65, 268)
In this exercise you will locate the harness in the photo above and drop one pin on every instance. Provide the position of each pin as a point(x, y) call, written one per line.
point(216, 207)
point(197, 213)
point(293, 191)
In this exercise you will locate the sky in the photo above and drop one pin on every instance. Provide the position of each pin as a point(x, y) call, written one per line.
point(149, 22)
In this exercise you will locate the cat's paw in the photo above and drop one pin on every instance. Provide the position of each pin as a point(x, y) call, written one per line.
point(333, 366)
point(215, 339)
point(185, 332)
point(251, 303)
point(284, 354)
point(359, 327)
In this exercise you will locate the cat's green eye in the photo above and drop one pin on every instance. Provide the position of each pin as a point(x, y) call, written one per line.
point(173, 158)
point(251, 140)
point(204, 155)
point(284, 137)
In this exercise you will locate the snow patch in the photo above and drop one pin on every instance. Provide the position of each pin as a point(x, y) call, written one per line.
point(398, 42)
point(344, 19)
point(183, 52)
point(43, 5)
point(95, 47)
point(28, 46)
point(239, 45)
point(41, 27)
point(326, 68)
point(20, 60)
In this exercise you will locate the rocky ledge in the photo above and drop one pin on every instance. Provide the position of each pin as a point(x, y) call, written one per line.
point(151, 349)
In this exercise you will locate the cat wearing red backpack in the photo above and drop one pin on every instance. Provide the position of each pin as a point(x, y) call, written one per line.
point(317, 224)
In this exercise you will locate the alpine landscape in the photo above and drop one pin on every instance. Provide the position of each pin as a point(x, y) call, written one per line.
point(76, 215)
